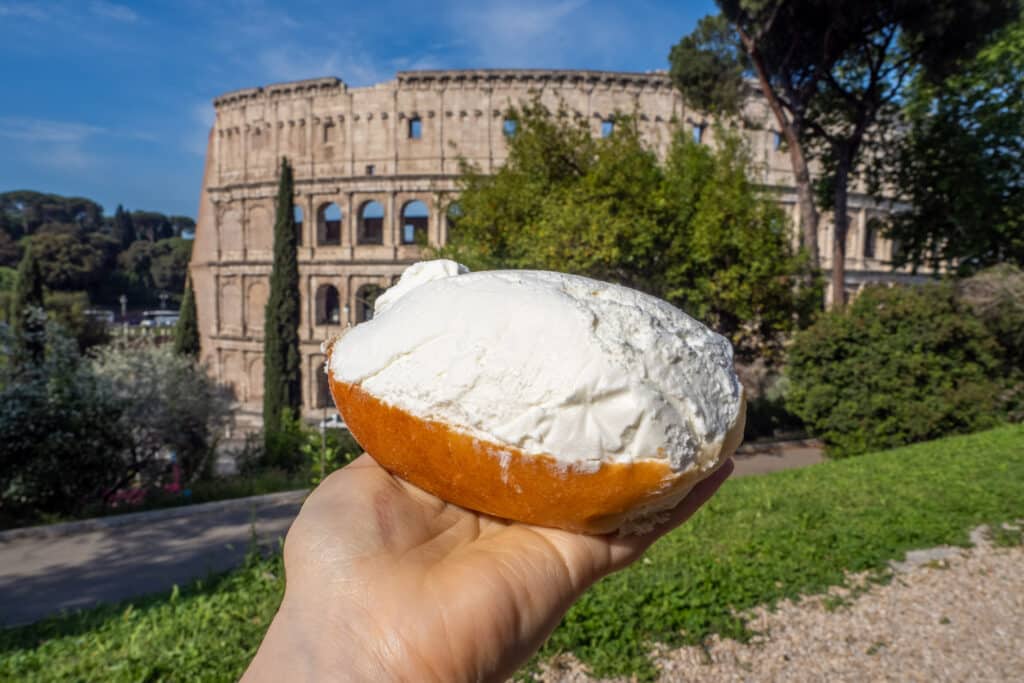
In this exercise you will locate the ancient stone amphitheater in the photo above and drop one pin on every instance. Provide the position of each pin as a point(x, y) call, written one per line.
point(376, 170)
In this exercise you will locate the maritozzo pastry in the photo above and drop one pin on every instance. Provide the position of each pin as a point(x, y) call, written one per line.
point(540, 397)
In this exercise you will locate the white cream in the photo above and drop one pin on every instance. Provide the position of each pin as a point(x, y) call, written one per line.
point(584, 371)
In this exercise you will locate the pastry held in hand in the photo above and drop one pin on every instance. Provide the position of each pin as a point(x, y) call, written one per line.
point(541, 397)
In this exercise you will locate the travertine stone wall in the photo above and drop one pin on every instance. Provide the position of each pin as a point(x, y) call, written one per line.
point(351, 146)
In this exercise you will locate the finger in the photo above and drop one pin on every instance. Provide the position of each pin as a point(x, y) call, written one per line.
point(626, 549)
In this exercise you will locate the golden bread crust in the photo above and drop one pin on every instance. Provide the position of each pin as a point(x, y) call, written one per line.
point(505, 482)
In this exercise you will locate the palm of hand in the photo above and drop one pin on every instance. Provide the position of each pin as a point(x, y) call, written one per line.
point(437, 591)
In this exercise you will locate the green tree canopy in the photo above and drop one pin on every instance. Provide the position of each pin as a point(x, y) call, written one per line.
point(832, 74)
point(692, 229)
point(961, 166)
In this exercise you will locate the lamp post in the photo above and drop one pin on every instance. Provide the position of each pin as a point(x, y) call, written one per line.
point(123, 299)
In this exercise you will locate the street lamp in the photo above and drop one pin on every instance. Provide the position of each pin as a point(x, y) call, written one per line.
point(124, 315)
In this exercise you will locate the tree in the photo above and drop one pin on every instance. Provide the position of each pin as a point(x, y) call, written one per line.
point(961, 165)
point(169, 260)
point(123, 227)
point(833, 74)
point(282, 377)
point(9, 252)
point(28, 311)
point(171, 404)
point(61, 430)
point(68, 262)
point(186, 333)
point(692, 230)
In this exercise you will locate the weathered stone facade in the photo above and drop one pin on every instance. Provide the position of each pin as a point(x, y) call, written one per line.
point(373, 153)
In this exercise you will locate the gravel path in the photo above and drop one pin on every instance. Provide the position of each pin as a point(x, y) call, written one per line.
point(956, 618)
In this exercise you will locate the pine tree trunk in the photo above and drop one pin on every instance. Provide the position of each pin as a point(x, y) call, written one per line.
point(839, 206)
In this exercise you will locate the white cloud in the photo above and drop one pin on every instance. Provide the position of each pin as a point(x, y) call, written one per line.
point(110, 10)
point(23, 10)
point(46, 131)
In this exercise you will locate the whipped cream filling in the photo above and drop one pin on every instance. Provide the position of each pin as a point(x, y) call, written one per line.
point(583, 371)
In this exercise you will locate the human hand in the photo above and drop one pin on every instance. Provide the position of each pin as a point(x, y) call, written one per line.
point(388, 582)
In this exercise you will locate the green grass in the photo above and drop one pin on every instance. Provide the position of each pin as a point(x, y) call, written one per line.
point(760, 540)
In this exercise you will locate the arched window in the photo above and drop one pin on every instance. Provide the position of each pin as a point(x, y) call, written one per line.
point(323, 387)
point(371, 223)
point(298, 225)
point(366, 297)
point(874, 227)
point(414, 222)
point(452, 215)
point(328, 306)
point(328, 224)
point(607, 127)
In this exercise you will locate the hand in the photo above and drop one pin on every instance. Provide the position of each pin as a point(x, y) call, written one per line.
point(387, 582)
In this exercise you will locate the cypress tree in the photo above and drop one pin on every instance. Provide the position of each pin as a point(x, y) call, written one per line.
point(282, 379)
point(186, 332)
point(28, 314)
point(124, 227)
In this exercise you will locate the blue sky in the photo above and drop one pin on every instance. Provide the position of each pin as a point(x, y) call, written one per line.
point(112, 100)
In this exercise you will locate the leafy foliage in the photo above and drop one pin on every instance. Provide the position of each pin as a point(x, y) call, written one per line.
point(833, 75)
point(282, 383)
point(759, 540)
point(900, 365)
point(692, 230)
point(171, 405)
point(27, 311)
point(961, 165)
point(61, 435)
point(186, 332)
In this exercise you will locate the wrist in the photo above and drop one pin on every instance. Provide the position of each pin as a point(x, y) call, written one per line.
point(302, 645)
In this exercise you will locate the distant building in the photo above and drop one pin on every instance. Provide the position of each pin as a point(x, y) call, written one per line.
point(376, 171)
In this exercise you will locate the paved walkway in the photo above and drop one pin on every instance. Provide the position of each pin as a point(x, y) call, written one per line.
point(73, 566)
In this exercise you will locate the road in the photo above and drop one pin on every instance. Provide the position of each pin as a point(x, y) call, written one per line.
point(76, 566)
point(46, 572)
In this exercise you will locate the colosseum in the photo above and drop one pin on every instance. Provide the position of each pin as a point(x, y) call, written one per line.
point(376, 173)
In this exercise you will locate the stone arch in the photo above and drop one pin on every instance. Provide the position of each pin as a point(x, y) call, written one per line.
point(231, 230)
point(256, 305)
point(321, 387)
point(452, 214)
point(260, 229)
point(415, 219)
point(872, 231)
point(371, 223)
point(366, 297)
point(328, 305)
point(233, 374)
point(297, 213)
point(328, 224)
point(255, 376)
point(230, 307)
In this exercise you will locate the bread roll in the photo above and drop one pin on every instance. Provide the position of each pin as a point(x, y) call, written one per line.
point(541, 397)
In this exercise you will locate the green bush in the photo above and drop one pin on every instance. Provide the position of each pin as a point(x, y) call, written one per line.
point(899, 365)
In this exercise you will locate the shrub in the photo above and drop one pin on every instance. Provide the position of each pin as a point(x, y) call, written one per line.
point(61, 436)
point(172, 406)
point(897, 366)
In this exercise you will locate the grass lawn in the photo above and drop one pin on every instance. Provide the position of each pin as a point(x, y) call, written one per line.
point(761, 539)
